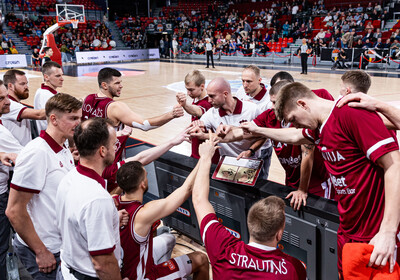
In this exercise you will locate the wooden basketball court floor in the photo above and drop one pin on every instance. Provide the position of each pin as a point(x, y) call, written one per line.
point(150, 89)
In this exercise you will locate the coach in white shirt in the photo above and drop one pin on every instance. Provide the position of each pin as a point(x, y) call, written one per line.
point(10, 145)
point(53, 79)
point(40, 166)
point(226, 110)
point(86, 214)
point(17, 121)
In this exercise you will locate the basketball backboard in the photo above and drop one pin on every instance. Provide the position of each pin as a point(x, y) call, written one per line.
point(67, 13)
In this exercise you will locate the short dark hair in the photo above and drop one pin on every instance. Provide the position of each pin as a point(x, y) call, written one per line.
point(10, 77)
point(106, 75)
point(90, 135)
point(266, 217)
point(281, 75)
point(46, 49)
point(277, 86)
point(63, 103)
point(359, 80)
point(130, 175)
point(46, 68)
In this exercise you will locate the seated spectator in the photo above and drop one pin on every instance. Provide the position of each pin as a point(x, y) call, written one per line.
point(359, 8)
point(327, 18)
point(394, 48)
point(320, 35)
point(333, 43)
point(359, 44)
point(387, 44)
point(13, 50)
point(377, 34)
point(328, 35)
point(345, 27)
point(35, 57)
point(4, 46)
point(285, 29)
point(368, 36)
point(368, 44)
point(266, 223)
point(379, 44)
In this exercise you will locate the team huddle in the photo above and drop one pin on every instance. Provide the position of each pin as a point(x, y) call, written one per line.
point(76, 201)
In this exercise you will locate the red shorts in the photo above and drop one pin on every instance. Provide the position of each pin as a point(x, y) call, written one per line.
point(341, 240)
point(176, 268)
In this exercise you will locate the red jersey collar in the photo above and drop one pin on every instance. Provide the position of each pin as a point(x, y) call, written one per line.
point(51, 142)
point(261, 94)
point(43, 86)
point(237, 111)
point(88, 172)
point(12, 98)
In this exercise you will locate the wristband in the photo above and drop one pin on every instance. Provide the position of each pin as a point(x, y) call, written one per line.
point(252, 151)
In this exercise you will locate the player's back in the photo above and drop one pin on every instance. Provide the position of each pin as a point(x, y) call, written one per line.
point(256, 261)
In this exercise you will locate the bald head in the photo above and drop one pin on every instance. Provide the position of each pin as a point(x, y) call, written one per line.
point(219, 85)
point(219, 92)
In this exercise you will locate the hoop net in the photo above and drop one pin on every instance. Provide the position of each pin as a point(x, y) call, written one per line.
point(74, 23)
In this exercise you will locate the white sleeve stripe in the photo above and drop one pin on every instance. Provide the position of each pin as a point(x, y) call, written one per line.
point(206, 227)
point(378, 145)
point(309, 135)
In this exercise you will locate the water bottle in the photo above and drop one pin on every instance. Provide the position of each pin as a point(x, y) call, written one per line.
point(12, 267)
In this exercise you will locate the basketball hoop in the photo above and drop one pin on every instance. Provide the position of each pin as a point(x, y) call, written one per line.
point(74, 23)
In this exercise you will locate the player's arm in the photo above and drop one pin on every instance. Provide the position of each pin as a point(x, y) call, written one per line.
point(157, 209)
point(290, 135)
point(106, 266)
point(149, 155)
point(33, 114)
point(191, 109)
point(254, 147)
point(21, 221)
point(201, 188)
point(177, 112)
point(361, 100)
point(299, 196)
point(120, 112)
point(385, 240)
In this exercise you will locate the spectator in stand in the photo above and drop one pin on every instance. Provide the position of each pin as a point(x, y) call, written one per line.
point(384, 18)
point(368, 36)
point(359, 8)
point(13, 50)
point(347, 39)
point(320, 35)
point(394, 48)
point(328, 17)
point(368, 44)
point(4, 46)
point(359, 44)
point(377, 34)
point(345, 27)
point(285, 29)
point(387, 44)
point(333, 44)
point(274, 36)
point(379, 44)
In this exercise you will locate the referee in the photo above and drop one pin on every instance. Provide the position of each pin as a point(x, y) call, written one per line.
point(209, 50)
point(304, 51)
